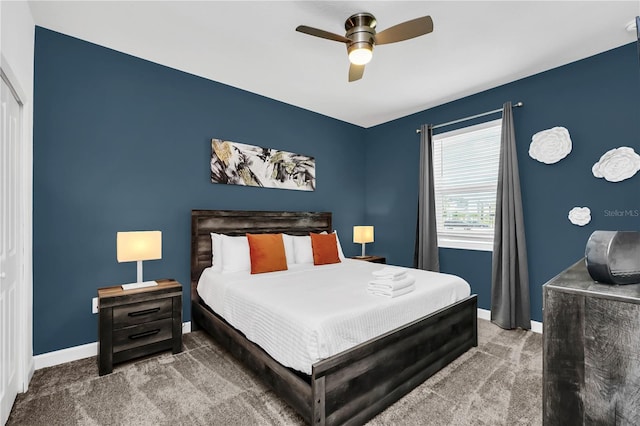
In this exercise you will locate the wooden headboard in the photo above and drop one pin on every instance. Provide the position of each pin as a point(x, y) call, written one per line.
point(232, 222)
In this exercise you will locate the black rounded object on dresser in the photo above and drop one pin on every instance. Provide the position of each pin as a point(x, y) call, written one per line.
point(613, 257)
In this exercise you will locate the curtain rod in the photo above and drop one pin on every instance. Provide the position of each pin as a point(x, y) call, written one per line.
point(448, 123)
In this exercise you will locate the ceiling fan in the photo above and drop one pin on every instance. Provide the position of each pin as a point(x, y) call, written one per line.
point(361, 36)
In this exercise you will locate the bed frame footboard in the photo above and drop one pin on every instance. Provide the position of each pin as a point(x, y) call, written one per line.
point(355, 385)
point(287, 385)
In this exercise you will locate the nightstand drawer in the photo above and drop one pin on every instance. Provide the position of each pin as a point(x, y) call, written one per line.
point(143, 334)
point(137, 313)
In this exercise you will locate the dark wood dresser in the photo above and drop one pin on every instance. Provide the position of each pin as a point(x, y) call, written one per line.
point(591, 364)
point(138, 322)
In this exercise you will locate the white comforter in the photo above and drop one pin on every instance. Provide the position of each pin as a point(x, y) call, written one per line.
point(309, 313)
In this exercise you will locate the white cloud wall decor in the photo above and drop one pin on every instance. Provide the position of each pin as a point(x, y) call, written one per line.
point(617, 164)
point(580, 216)
point(550, 146)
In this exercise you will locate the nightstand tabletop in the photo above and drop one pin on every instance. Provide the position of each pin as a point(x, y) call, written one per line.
point(108, 296)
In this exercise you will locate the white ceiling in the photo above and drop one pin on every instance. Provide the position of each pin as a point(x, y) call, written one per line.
point(475, 45)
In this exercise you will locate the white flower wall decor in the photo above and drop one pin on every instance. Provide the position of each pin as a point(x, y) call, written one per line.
point(551, 145)
point(580, 216)
point(617, 164)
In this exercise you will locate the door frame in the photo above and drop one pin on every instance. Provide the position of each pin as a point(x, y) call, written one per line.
point(25, 212)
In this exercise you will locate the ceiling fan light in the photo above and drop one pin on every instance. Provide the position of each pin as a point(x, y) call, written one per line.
point(360, 56)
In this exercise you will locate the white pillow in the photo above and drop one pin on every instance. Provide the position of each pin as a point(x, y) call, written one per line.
point(289, 250)
point(302, 249)
point(297, 249)
point(216, 252)
point(340, 253)
point(236, 256)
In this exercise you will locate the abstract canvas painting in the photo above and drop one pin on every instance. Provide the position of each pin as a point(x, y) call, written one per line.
point(241, 164)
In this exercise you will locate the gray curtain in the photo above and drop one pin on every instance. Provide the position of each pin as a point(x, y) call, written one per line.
point(638, 34)
point(510, 276)
point(426, 251)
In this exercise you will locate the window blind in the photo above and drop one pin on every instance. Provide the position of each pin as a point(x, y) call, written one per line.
point(465, 179)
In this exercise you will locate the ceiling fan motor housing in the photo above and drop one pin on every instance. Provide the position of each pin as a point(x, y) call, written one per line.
point(361, 31)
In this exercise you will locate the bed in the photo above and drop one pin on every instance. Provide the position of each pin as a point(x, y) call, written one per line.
point(355, 384)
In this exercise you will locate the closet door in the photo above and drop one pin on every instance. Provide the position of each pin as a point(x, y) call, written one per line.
point(10, 253)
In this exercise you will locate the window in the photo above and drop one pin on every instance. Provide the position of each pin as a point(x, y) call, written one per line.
point(465, 168)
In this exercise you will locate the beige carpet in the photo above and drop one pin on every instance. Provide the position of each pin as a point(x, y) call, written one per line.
point(497, 383)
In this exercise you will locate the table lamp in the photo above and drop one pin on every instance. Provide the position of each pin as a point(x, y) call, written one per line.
point(136, 246)
point(363, 235)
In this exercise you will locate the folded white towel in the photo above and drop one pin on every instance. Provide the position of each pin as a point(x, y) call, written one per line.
point(391, 278)
point(392, 293)
point(392, 272)
point(391, 285)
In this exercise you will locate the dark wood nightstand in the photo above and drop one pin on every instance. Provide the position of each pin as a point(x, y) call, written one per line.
point(138, 322)
point(372, 259)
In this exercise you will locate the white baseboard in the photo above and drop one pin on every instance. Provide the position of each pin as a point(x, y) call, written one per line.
point(50, 359)
point(536, 327)
point(485, 314)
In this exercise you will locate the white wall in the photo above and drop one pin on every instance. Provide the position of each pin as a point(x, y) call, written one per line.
point(17, 41)
point(17, 36)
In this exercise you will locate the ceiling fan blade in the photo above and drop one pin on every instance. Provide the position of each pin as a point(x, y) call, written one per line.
point(355, 72)
point(406, 30)
point(322, 34)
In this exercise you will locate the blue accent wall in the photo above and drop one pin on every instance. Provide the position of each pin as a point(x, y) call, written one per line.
point(597, 99)
point(121, 144)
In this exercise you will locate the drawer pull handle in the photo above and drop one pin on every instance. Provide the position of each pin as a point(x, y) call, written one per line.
point(144, 334)
point(145, 312)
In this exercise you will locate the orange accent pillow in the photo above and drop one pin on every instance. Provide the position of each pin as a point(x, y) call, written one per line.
point(325, 249)
point(267, 253)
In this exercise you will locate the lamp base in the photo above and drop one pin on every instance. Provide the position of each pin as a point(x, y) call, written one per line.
point(142, 284)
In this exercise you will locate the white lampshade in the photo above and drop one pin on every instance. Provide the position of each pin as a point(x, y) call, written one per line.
point(139, 245)
point(136, 246)
point(363, 234)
